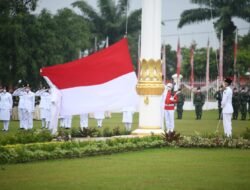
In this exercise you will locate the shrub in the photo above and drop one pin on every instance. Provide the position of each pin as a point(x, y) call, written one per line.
point(169, 137)
point(246, 134)
point(26, 136)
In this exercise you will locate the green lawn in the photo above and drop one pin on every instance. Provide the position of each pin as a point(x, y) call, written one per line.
point(167, 168)
point(187, 126)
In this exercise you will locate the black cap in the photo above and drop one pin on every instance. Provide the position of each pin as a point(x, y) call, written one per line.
point(228, 80)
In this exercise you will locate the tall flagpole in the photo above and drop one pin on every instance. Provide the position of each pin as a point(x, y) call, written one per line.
point(235, 55)
point(207, 67)
point(192, 70)
point(221, 58)
point(150, 86)
point(178, 67)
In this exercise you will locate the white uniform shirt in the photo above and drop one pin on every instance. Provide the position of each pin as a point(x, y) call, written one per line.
point(29, 101)
point(226, 102)
point(45, 102)
point(6, 101)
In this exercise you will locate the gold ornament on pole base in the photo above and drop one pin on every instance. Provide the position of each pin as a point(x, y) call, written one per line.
point(149, 87)
point(150, 79)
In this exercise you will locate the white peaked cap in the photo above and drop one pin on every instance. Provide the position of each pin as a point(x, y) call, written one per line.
point(169, 85)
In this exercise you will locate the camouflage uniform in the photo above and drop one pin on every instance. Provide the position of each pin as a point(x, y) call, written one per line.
point(180, 103)
point(236, 104)
point(218, 97)
point(199, 100)
point(249, 104)
point(243, 103)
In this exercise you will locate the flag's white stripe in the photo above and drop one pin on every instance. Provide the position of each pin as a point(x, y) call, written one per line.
point(113, 95)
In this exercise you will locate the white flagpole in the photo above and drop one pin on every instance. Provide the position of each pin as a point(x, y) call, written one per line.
point(207, 67)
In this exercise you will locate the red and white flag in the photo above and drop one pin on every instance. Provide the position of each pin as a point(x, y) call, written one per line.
point(221, 58)
point(104, 81)
point(235, 55)
point(178, 55)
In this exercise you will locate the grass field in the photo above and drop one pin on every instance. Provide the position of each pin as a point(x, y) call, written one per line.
point(156, 169)
point(187, 126)
point(166, 168)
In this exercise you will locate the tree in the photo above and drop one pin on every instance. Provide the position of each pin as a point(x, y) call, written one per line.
point(110, 21)
point(243, 55)
point(15, 19)
point(224, 11)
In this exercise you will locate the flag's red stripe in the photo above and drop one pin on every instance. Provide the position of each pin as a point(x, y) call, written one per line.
point(95, 69)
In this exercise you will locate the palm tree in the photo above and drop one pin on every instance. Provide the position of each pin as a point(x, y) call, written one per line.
point(110, 20)
point(223, 11)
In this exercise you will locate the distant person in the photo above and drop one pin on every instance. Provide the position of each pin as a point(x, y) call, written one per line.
point(199, 100)
point(29, 107)
point(180, 103)
point(84, 120)
point(45, 108)
point(6, 104)
point(243, 103)
point(99, 116)
point(127, 117)
point(227, 107)
point(248, 104)
point(236, 103)
point(218, 96)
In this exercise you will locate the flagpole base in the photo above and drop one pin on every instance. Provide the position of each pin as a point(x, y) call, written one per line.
point(147, 132)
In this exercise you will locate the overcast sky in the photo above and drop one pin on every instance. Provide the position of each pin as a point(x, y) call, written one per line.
point(171, 10)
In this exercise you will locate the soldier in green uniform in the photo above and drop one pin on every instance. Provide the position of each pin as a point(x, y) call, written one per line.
point(180, 103)
point(236, 103)
point(199, 100)
point(218, 97)
point(248, 104)
point(243, 103)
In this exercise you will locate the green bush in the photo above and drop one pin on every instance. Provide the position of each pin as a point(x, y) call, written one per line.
point(71, 149)
point(246, 134)
point(26, 136)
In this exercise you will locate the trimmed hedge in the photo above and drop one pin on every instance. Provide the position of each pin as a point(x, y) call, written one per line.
point(26, 136)
point(21, 153)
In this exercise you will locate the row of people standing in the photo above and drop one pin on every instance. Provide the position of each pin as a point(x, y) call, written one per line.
point(239, 102)
point(24, 110)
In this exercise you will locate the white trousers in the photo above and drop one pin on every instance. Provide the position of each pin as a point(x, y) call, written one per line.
point(84, 120)
point(6, 125)
point(99, 122)
point(27, 120)
point(169, 120)
point(128, 126)
point(21, 115)
point(227, 124)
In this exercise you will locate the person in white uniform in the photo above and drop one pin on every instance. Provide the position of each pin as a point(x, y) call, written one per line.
point(45, 105)
point(29, 108)
point(68, 121)
point(21, 105)
point(227, 107)
point(127, 117)
point(6, 104)
point(84, 120)
point(99, 116)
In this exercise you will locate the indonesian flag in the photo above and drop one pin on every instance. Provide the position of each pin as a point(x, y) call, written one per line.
point(235, 55)
point(178, 69)
point(192, 65)
point(104, 81)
